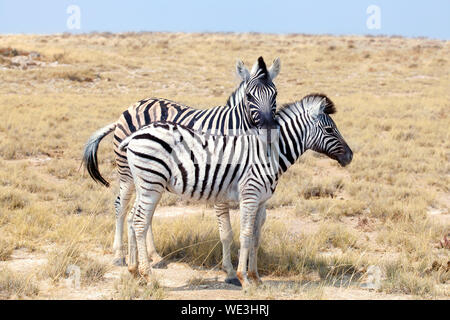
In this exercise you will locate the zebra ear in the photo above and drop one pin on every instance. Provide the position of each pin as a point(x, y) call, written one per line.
point(242, 71)
point(317, 104)
point(274, 70)
point(254, 68)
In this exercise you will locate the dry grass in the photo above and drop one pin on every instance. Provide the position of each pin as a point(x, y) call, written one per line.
point(197, 281)
point(61, 260)
point(16, 286)
point(281, 253)
point(130, 288)
point(6, 249)
point(286, 290)
point(392, 99)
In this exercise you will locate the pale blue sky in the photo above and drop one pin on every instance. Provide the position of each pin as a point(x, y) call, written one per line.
point(413, 18)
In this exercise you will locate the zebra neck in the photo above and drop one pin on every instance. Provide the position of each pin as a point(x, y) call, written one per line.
point(236, 103)
point(237, 96)
point(238, 111)
point(293, 135)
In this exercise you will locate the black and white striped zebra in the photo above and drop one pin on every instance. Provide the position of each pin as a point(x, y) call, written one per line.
point(218, 168)
point(252, 104)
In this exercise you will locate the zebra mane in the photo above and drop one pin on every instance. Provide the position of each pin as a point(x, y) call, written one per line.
point(259, 69)
point(237, 95)
point(327, 106)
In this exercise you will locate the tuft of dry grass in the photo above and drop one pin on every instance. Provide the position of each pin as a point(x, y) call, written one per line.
point(199, 245)
point(13, 199)
point(93, 271)
point(401, 278)
point(322, 189)
point(6, 249)
point(130, 288)
point(61, 262)
point(13, 285)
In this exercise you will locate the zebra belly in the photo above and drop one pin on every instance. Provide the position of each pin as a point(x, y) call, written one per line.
point(176, 186)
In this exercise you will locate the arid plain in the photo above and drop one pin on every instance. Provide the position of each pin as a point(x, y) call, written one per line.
point(376, 229)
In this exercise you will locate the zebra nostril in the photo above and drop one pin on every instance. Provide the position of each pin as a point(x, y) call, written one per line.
point(344, 158)
point(349, 154)
point(348, 157)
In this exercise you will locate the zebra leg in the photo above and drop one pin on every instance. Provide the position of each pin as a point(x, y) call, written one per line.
point(252, 261)
point(144, 209)
point(226, 237)
point(249, 208)
point(151, 250)
point(125, 193)
point(132, 245)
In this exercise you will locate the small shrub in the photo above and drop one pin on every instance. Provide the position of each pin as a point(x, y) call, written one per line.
point(12, 284)
point(338, 236)
point(93, 271)
point(322, 189)
point(6, 249)
point(130, 288)
point(59, 261)
point(402, 277)
point(12, 198)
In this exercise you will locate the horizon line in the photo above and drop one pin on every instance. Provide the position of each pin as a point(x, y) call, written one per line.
point(228, 33)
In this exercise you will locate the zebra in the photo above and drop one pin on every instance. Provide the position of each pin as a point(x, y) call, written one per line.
point(252, 104)
point(218, 168)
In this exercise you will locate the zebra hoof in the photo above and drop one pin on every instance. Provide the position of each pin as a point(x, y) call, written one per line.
point(120, 262)
point(134, 271)
point(233, 281)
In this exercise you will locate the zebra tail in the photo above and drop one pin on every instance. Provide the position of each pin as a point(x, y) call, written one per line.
point(90, 153)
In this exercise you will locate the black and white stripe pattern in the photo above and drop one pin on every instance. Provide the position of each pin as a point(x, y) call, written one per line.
point(239, 115)
point(214, 167)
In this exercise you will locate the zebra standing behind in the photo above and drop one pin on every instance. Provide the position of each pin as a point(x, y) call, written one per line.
point(215, 167)
point(252, 104)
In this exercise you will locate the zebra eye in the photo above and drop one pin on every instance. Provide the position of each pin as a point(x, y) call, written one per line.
point(255, 117)
point(249, 97)
point(328, 130)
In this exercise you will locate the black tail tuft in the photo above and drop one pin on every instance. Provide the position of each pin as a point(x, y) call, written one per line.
point(90, 153)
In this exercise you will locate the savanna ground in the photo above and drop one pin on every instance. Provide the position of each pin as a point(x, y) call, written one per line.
point(330, 230)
